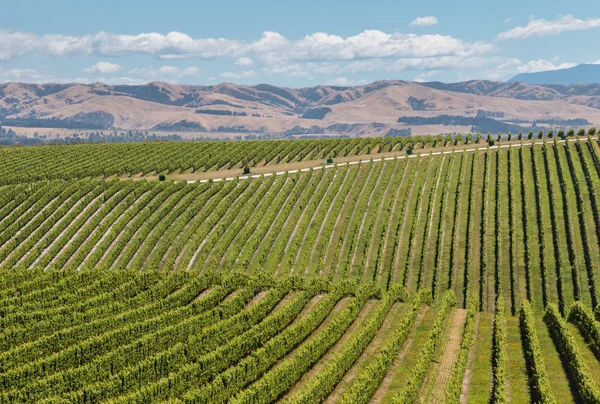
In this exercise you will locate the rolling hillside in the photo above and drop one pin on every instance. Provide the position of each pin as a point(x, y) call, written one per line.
point(369, 110)
point(406, 270)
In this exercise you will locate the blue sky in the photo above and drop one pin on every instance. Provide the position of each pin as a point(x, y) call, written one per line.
point(296, 44)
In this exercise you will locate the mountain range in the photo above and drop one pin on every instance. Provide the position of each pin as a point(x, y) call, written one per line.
point(376, 109)
point(580, 74)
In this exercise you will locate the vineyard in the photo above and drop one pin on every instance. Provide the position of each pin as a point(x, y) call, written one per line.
point(449, 275)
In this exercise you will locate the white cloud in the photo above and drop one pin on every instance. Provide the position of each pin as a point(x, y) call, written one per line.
point(597, 62)
point(543, 27)
point(345, 82)
point(424, 21)
point(113, 80)
point(166, 72)
point(509, 19)
point(271, 47)
point(243, 75)
point(23, 75)
point(103, 67)
point(421, 77)
point(542, 65)
point(244, 61)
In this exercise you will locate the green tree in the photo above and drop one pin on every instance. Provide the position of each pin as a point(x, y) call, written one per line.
point(448, 139)
point(540, 134)
point(439, 139)
point(530, 135)
point(571, 132)
point(592, 131)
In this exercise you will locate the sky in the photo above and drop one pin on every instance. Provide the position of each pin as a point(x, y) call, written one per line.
point(293, 44)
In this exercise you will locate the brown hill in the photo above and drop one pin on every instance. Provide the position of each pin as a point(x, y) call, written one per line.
point(370, 110)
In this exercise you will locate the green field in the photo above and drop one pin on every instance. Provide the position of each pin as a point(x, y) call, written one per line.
point(458, 273)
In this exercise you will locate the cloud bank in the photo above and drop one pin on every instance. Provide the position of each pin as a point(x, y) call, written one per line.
point(543, 27)
point(271, 46)
point(103, 67)
point(424, 21)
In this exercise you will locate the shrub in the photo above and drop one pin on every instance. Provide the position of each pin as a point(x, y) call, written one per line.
point(578, 372)
point(541, 391)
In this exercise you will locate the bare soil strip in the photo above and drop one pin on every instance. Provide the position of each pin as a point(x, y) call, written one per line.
point(469, 370)
point(443, 369)
point(376, 233)
point(322, 227)
point(431, 217)
point(363, 316)
point(403, 229)
point(385, 385)
point(386, 329)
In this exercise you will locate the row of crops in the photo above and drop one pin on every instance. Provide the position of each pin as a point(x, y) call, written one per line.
point(130, 337)
point(520, 219)
point(28, 164)
point(23, 164)
point(452, 277)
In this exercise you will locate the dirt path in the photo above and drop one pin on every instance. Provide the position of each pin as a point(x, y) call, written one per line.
point(430, 221)
point(115, 242)
point(469, 371)
point(391, 219)
point(274, 223)
point(365, 215)
point(396, 312)
point(336, 233)
point(233, 205)
point(57, 224)
point(343, 233)
point(411, 194)
point(437, 270)
point(327, 215)
point(109, 230)
point(301, 218)
point(376, 233)
point(257, 298)
point(87, 210)
point(416, 222)
point(369, 307)
point(387, 380)
point(253, 221)
point(245, 199)
point(443, 369)
point(107, 216)
point(22, 225)
point(312, 220)
point(18, 217)
point(320, 163)
point(339, 306)
point(186, 202)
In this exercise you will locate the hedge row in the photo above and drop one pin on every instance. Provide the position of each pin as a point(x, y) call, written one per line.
point(578, 372)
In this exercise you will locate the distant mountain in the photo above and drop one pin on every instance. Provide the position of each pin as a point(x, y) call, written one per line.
point(369, 110)
point(581, 74)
